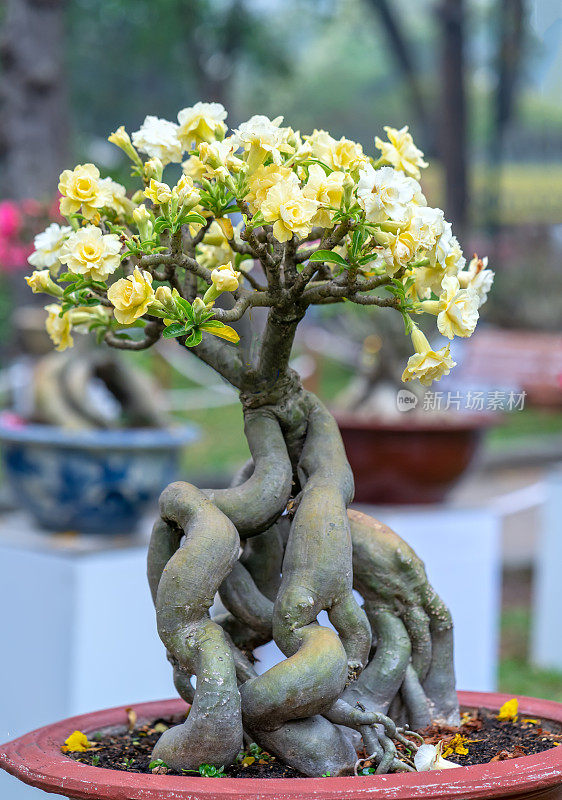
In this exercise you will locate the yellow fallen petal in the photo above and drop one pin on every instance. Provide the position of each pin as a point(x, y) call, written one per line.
point(509, 710)
point(224, 332)
point(77, 742)
point(248, 761)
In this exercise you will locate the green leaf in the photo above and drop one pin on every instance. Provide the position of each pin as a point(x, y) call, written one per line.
point(69, 277)
point(174, 330)
point(193, 216)
point(194, 339)
point(185, 307)
point(328, 255)
point(157, 763)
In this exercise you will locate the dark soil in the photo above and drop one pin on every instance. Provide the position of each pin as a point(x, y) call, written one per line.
point(486, 739)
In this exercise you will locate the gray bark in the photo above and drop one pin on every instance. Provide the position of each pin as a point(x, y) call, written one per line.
point(33, 96)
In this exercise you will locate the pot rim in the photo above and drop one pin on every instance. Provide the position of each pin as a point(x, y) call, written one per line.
point(98, 439)
point(455, 423)
point(36, 759)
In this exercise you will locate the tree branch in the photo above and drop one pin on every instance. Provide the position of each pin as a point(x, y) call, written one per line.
point(152, 332)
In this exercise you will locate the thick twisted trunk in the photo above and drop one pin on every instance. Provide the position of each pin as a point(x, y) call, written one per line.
point(293, 566)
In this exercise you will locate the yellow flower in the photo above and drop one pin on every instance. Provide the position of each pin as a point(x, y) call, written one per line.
point(194, 167)
point(457, 746)
point(41, 281)
point(262, 180)
point(400, 250)
point(291, 212)
point(77, 742)
point(343, 155)
point(202, 122)
point(400, 151)
point(131, 296)
point(158, 192)
point(427, 365)
point(225, 279)
point(81, 188)
point(456, 309)
point(509, 710)
point(327, 190)
point(347, 155)
point(59, 328)
point(89, 252)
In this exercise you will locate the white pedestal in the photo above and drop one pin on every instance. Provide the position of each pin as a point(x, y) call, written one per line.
point(461, 551)
point(78, 631)
point(546, 644)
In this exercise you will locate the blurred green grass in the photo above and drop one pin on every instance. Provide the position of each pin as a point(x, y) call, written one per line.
point(516, 674)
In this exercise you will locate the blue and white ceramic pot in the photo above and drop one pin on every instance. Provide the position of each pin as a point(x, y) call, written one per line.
point(99, 481)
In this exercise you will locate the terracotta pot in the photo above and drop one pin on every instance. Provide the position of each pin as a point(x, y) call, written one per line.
point(409, 462)
point(36, 759)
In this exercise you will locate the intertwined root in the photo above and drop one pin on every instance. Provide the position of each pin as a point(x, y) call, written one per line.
point(334, 685)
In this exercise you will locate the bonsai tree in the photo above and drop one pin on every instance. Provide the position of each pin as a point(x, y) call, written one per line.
point(327, 223)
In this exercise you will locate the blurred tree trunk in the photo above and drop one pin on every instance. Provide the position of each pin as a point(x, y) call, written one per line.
point(452, 114)
point(34, 108)
point(511, 29)
point(402, 51)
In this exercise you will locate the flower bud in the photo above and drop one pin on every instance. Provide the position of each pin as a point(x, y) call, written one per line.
point(165, 296)
point(153, 168)
point(224, 279)
point(158, 192)
point(40, 281)
point(121, 138)
point(143, 219)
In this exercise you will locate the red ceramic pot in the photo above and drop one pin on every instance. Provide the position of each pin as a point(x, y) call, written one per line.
point(410, 461)
point(36, 759)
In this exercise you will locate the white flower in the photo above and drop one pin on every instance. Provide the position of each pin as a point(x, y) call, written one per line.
point(400, 151)
point(458, 309)
point(428, 757)
point(202, 122)
point(89, 252)
point(158, 138)
point(260, 137)
point(427, 224)
point(48, 245)
point(478, 278)
point(385, 193)
point(447, 253)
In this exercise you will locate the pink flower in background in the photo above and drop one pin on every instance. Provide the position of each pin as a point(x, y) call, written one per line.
point(20, 222)
point(10, 219)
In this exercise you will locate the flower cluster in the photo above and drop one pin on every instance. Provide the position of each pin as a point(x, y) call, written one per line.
point(355, 223)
